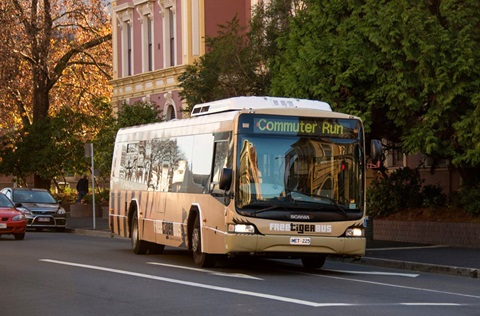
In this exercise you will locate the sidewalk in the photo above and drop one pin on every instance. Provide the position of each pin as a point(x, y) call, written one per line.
point(387, 254)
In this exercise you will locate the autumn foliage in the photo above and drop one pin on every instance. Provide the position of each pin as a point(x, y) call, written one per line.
point(55, 57)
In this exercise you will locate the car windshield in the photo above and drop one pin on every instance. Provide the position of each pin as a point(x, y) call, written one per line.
point(5, 202)
point(24, 196)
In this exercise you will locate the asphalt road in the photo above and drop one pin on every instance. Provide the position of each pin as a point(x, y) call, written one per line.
point(66, 274)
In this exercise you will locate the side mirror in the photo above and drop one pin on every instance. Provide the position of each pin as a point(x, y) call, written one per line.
point(375, 150)
point(226, 179)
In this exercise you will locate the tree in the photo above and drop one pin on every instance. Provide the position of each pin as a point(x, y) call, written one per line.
point(237, 60)
point(52, 55)
point(410, 69)
point(60, 153)
point(224, 71)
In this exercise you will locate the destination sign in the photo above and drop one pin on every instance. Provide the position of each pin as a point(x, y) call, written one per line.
point(303, 126)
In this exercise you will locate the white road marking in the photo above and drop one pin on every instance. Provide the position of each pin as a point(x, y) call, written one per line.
point(408, 275)
point(393, 285)
point(406, 248)
point(249, 293)
point(193, 284)
point(232, 275)
point(431, 304)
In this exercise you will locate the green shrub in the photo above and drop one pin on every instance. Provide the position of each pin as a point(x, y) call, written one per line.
point(379, 198)
point(68, 196)
point(101, 197)
point(402, 189)
point(433, 196)
point(468, 199)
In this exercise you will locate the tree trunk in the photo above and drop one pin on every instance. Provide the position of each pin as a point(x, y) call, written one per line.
point(41, 105)
point(39, 182)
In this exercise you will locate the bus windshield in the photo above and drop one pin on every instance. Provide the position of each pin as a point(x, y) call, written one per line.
point(297, 170)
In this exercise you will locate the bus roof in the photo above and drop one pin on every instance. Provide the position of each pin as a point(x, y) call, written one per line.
point(222, 114)
point(239, 103)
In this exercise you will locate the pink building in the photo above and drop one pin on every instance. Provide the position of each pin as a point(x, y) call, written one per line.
point(154, 40)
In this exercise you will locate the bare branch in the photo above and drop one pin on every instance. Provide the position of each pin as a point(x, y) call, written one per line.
point(96, 64)
point(63, 62)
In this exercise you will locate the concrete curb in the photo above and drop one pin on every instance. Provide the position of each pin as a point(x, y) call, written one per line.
point(415, 266)
point(91, 232)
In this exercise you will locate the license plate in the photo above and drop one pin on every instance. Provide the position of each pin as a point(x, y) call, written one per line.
point(44, 219)
point(300, 241)
point(3, 225)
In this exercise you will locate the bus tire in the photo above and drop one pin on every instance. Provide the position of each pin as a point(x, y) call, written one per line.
point(314, 262)
point(139, 246)
point(200, 258)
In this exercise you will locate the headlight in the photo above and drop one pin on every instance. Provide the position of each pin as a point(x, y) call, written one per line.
point(241, 228)
point(354, 232)
point(61, 211)
point(19, 217)
point(24, 210)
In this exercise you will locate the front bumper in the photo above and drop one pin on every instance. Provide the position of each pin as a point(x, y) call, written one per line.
point(280, 244)
point(16, 227)
point(46, 221)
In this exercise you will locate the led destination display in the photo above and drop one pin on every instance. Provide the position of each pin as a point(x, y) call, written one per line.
point(302, 126)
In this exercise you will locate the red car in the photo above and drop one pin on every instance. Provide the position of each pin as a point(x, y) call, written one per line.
point(12, 221)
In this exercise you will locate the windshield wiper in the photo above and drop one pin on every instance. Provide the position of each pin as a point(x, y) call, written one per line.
point(329, 199)
point(270, 208)
point(262, 203)
point(333, 202)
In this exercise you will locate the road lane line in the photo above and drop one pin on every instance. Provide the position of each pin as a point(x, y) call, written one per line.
point(193, 284)
point(232, 275)
point(393, 285)
point(406, 248)
point(257, 294)
point(408, 275)
point(431, 304)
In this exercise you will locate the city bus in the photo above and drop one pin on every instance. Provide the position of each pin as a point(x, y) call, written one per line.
point(244, 176)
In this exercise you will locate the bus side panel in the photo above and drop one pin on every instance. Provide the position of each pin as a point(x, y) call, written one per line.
point(171, 221)
point(213, 223)
point(118, 216)
point(173, 229)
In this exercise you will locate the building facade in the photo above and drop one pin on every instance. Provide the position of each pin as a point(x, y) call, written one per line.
point(154, 41)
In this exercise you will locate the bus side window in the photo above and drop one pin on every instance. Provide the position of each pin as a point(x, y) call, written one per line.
point(219, 162)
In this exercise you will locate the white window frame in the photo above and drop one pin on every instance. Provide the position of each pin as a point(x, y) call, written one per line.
point(145, 12)
point(124, 14)
point(168, 12)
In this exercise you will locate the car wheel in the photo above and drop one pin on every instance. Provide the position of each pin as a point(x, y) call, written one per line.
point(20, 236)
point(200, 258)
point(314, 262)
point(139, 246)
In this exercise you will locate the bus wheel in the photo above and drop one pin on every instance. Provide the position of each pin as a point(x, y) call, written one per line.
point(139, 247)
point(200, 258)
point(314, 262)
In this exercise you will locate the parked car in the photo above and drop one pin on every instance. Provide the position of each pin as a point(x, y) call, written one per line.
point(39, 207)
point(12, 221)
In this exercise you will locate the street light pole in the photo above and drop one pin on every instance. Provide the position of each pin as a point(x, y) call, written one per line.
point(89, 153)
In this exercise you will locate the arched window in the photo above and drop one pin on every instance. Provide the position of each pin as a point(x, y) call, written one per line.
point(170, 112)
